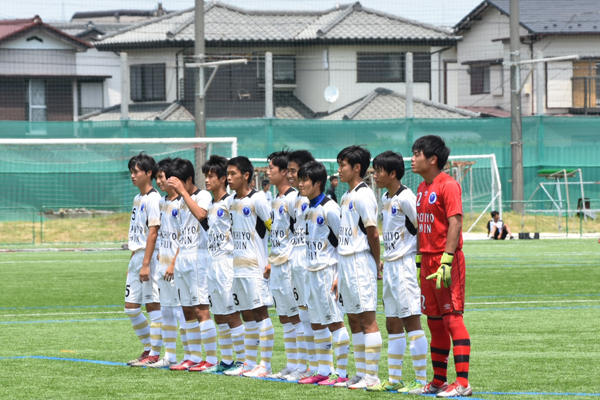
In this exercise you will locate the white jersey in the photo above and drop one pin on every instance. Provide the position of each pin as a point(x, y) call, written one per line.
point(359, 211)
point(192, 235)
point(145, 213)
point(399, 216)
point(169, 229)
point(301, 207)
point(250, 219)
point(220, 243)
point(322, 226)
point(283, 221)
point(499, 225)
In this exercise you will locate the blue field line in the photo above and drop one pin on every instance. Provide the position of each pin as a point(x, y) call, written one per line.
point(58, 321)
point(65, 359)
point(539, 394)
point(57, 307)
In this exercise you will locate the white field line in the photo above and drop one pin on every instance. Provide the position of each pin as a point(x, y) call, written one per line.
point(111, 260)
point(64, 313)
point(533, 302)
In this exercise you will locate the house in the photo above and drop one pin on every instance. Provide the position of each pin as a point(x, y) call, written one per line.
point(353, 48)
point(39, 76)
point(480, 77)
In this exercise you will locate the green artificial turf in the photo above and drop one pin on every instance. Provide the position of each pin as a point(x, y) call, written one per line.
point(532, 309)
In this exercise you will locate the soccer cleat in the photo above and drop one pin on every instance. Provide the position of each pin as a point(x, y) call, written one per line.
point(354, 380)
point(146, 361)
point(311, 380)
point(218, 368)
point(162, 363)
point(365, 383)
point(201, 366)
point(257, 372)
point(430, 388)
point(298, 375)
point(183, 366)
point(414, 385)
point(386, 386)
point(140, 358)
point(332, 380)
point(283, 374)
point(240, 369)
point(456, 390)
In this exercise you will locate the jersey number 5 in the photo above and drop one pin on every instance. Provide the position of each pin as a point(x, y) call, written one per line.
point(133, 214)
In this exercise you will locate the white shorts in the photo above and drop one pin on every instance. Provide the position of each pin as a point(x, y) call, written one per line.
point(284, 295)
point(358, 282)
point(190, 279)
point(167, 289)
point(401, 291)
point(299, 275)
point(250, 293)
point(323, 308)
point(220, 286)
point(137, 292)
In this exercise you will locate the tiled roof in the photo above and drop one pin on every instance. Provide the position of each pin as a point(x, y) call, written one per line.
point(287, 106)
point(142, 112)
point(225, 23)
point(10, 28)
point(79, 29)
point(545, 16)
point(387, 104)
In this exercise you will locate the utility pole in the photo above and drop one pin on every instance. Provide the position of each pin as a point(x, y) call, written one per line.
point(199, 114)
point(409, 85)
point(515, 109)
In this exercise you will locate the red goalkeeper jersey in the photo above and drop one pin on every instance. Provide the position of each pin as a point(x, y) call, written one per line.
point(436, 202)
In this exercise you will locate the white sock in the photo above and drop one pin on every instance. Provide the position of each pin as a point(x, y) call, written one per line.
point(251, 342)
point(267, 340)
point(358, 341)
point(209, 340)
point(341, 344)
point(373, 344)
point(396, 349)
point(225, 343)
point(169, 333)
point(302, 356)
point(237, 337)
point(323, 346)
point(140, 326)
point(418, 352)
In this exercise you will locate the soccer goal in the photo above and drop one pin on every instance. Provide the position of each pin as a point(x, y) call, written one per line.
point(67, 179)
point(477, 174)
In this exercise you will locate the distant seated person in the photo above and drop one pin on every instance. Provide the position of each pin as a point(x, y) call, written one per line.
point(498, 229)
point(333, 183)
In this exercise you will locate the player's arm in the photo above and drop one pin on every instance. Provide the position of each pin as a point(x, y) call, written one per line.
point(263, 211)
point(196, 210)
point(334, 222)
point(367, 209)
point(408, 205)
point(171, 269)
point(153, 208)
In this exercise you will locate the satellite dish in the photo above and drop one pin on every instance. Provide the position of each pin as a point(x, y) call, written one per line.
point(331, 94)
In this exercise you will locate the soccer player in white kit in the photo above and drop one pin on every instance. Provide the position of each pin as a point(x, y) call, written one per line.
point(142, 283)
point(191, 265)
point(283, 219)
point(327, 317)
point(220, 269)
point(250, 220)
point(358, 263)
point(168, 248)
point(296, 159)
point(401, 291)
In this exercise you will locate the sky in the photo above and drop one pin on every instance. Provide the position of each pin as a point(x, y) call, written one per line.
point(437, 12)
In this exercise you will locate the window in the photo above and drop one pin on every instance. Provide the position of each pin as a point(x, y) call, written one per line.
point(284, 70)
point(480, 79)
point(37, 100)
point(147, 82)
point(391, 67)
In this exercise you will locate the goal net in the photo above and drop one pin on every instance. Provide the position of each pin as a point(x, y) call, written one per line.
point(71, 190)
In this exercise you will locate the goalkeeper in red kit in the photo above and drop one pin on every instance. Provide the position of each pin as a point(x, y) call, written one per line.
point(439, 248)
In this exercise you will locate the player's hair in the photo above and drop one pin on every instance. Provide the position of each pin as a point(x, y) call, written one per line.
point(266, 182)
point(279, 158)
point(182, 169)
point(494, 213)
point(333, 177)
point(143, 161)
point(300, 157)
point(243, 164)
point(432, 145)
point(390, 161)
point(163, 165)
point(315, 171)
point(356, 155)
point(216, 164)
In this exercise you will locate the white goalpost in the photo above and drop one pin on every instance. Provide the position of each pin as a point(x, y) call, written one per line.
point(477, 174)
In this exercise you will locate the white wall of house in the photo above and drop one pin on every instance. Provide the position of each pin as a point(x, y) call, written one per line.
point(94, 62)
point(158, 56)
point(313, 70)
point(48, 42)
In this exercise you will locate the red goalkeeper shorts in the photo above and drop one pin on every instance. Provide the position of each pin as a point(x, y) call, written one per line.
point(436, 302)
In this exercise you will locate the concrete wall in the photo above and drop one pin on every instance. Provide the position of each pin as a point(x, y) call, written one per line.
point(38, 62)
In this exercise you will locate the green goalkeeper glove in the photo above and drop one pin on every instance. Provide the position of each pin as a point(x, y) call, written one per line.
point(444, 272)
point(418, 258)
